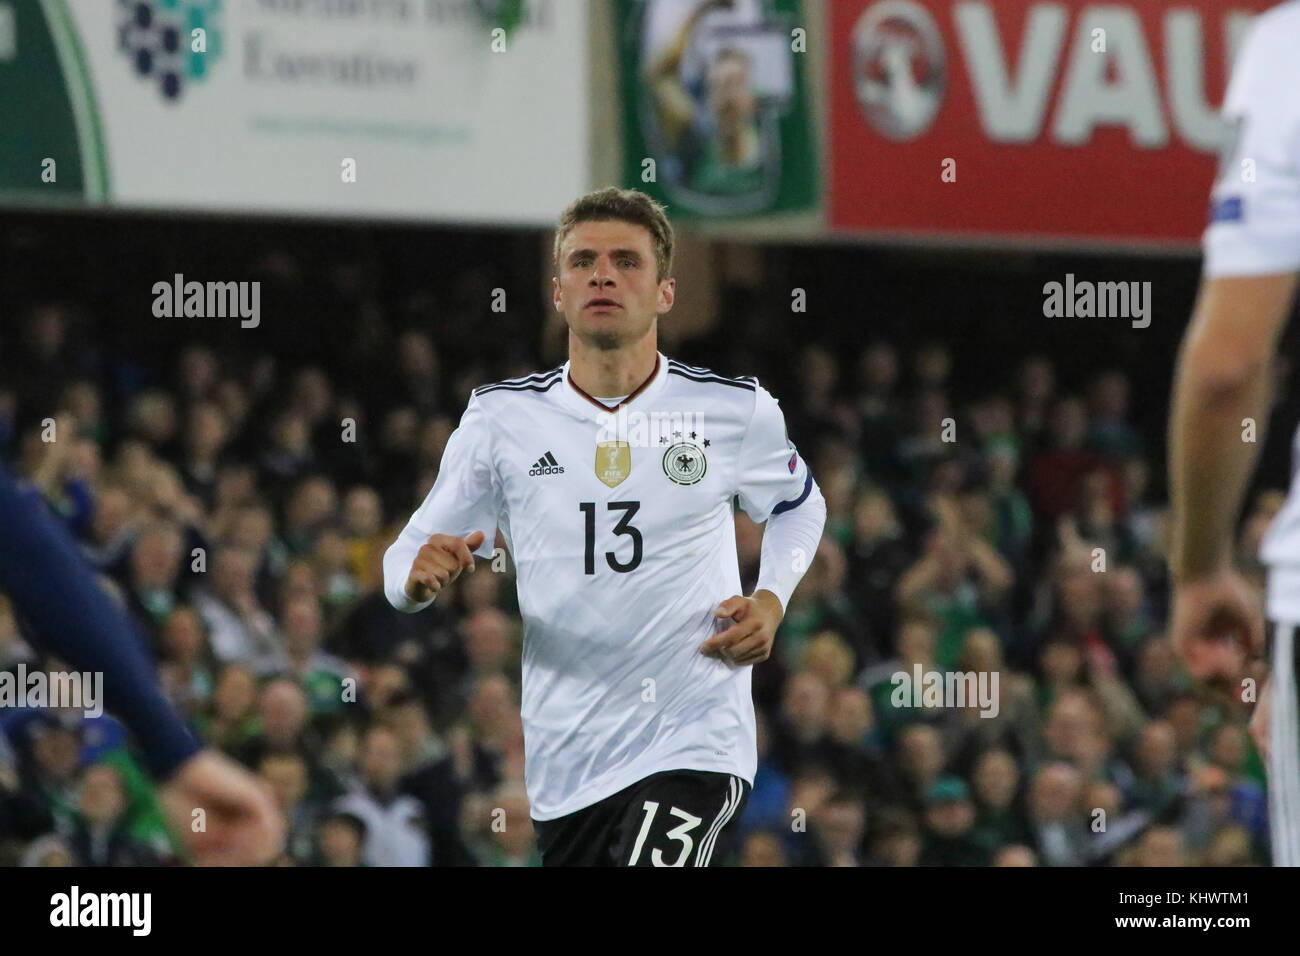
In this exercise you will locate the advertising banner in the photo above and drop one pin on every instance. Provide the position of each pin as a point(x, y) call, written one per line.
point(389, 108)
point(715, 106)
point(1029, 118)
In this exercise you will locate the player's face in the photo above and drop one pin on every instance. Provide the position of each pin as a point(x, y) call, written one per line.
point(608, 286)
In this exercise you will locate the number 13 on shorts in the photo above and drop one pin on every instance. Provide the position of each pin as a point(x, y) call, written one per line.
point(681, 833)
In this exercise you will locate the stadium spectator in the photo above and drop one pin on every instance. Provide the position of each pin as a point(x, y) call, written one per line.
point(1059, 828)
point(762, 848)
point(949, 826)
point(837, 829)
point(239, 628)
point(999, 817)
point(100, 836)
point(285, 771)
point(395, 833)
point(341, 840)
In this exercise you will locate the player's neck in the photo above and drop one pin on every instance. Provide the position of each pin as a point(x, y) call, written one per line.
point(605, 373)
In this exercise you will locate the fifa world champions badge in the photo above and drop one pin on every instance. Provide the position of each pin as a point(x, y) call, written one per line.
point(613, 462)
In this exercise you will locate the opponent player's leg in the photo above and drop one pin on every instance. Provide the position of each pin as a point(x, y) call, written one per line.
point(1284, 750)
point(681, 818)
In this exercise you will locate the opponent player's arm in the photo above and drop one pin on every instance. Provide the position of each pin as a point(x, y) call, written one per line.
point(55, 590)
point(457, 520)
point(1222, 378)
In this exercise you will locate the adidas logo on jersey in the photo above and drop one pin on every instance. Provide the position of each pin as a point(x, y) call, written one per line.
point(546, 465)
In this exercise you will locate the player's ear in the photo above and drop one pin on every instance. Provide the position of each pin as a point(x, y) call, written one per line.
point(667, 294)
point(555, 293)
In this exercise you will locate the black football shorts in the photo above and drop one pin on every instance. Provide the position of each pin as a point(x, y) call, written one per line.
point(673, 818)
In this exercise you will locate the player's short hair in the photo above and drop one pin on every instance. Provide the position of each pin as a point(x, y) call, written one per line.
point(621, 205)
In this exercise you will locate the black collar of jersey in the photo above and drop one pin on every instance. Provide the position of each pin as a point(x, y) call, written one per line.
point(631, 395)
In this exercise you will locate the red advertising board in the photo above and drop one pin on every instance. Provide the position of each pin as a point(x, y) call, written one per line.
point(1060, 119)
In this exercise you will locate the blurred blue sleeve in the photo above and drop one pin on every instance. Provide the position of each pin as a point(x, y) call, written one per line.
point(53, 587)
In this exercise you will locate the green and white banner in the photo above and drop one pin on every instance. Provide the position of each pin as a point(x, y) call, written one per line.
point(425, 109)
point(715, 106)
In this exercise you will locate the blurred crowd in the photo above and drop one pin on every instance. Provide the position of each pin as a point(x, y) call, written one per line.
point(238, 506)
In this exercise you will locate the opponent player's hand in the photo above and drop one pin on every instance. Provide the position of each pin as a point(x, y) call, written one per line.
point(241, 824)
point(1259, 720)
point(439, 562)
point(1216, 623)
point(749, 639)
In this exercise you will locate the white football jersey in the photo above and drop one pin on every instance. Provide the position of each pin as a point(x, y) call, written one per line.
point(1255, 222)
point(621, 530)
point(1255, 205)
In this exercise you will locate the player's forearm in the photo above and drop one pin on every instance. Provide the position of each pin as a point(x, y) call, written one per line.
point(1209, 462)
point(398, 560)
point(790, 542)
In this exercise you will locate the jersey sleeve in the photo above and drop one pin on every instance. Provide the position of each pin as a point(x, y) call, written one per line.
point(1254, 226)
point(771, 476)
point(465, 497)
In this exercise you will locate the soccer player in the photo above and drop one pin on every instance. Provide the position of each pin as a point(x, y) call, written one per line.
point(611, 479)
point(1252, 254)
point(53, 587)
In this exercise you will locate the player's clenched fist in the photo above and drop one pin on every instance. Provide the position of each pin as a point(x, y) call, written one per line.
point(439, 561)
